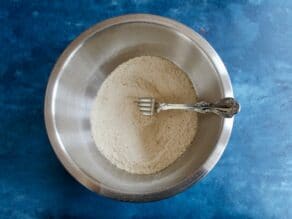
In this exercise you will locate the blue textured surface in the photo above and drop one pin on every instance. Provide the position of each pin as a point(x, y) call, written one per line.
point(254, 177)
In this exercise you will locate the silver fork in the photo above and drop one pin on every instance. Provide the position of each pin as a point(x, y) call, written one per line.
point(226, 107)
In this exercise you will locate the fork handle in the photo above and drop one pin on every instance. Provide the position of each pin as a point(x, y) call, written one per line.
point(226, 107)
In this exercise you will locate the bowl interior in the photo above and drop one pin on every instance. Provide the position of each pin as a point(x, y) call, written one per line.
point(87, 67)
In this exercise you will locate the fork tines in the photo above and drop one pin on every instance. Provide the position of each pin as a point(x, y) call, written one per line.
point(146, 105)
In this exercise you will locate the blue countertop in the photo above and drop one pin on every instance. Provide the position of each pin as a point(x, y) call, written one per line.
point(254, 177)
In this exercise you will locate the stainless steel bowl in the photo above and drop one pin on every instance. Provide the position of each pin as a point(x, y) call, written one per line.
point(82, 68)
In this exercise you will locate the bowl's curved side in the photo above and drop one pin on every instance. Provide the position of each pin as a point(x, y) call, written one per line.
point(59, 148)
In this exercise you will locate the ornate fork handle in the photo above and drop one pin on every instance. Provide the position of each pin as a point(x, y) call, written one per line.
point(226, 107)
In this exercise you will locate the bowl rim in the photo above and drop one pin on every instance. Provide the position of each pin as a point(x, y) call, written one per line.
point(71, 166)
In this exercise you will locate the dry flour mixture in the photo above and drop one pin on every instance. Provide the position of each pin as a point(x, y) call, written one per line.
point(133, 142)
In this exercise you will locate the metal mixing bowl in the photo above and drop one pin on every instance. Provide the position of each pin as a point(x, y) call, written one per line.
point(83, 67)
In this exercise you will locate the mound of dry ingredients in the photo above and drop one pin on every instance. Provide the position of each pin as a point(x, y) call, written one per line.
point(133, 142)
